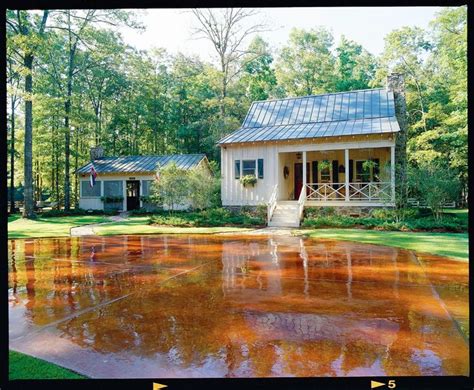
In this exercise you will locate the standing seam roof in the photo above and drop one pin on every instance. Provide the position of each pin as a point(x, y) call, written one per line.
point(345, 113)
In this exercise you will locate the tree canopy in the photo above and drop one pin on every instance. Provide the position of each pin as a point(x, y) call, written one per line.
point(73, 84)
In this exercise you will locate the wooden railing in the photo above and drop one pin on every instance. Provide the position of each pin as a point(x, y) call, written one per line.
point(272, 202)
point(358, 192)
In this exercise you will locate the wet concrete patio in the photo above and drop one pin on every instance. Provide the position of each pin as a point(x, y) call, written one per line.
point(236, 306)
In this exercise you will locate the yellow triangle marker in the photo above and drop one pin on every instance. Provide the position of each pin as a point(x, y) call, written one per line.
point(158, 386)
point(373, 384)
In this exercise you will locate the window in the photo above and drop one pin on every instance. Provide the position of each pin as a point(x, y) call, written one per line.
point(146, 184)
point(248, 167)
point(90, 192)
point(326, 175)
point(237, 169)
point(260, 168)
point(113, 188)
point(362, 173)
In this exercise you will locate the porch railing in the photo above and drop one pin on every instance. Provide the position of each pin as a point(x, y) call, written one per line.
point(272, 202)
point(357, 192)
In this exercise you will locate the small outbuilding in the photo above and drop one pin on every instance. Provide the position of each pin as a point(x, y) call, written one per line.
point(123, 183)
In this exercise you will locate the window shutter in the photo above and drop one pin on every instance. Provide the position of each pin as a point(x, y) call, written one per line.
point(351, 171)
point(315, 171)
point(335, 171)
point(260, 168)
point(237, 169)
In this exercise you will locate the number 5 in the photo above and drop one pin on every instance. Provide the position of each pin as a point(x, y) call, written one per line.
point(391, 384)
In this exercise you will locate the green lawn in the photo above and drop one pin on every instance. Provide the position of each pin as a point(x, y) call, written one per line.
point(453, 245)
point(48, 227)
point(139, 225)
point(26, 367)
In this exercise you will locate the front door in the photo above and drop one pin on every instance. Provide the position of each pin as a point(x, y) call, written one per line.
point(299, 178)
point(133, 194)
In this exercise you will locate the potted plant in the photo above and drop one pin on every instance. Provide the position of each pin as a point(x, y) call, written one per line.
point(248, 180)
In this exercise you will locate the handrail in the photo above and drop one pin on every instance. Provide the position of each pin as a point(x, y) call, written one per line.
point(272, 202)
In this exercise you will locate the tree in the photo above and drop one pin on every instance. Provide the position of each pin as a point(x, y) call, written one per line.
point(225, 30)
point(26, 31)
point(77, 25)
point(435, 184)
point(355, 66)
point(306, 64)
point(202, 187)
point(258, 76)
point(172, 188)
point(13, 85)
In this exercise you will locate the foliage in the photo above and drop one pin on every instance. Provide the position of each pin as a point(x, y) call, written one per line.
point(435, 184)
point(248, 180)
point(72, 212)
point(135, 102)
point(111, 199)
point(171, 189)
point(210, 217)
point(387, 220)
point(203, 187)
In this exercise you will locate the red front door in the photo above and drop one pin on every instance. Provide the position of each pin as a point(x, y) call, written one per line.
point(299, 178)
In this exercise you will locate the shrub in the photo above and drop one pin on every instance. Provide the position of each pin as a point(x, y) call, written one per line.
point(202, 188)
point(140, 211)
point(208, 217)
point(73, 212)
point(111, 199)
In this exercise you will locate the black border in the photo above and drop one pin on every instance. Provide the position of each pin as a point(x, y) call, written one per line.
point(431, 382)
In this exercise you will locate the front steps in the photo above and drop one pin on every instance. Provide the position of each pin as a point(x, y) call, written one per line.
point(285, 215)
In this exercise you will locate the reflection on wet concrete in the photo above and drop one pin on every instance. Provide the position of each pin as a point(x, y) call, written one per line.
point(200, 306)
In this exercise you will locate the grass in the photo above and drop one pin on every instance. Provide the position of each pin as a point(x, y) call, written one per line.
point(139, 225)
point(454, 245)
point(48, 227)
point(27, 367)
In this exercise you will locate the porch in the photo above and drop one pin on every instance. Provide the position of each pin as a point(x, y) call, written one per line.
point(363, 177)
point(347, 177)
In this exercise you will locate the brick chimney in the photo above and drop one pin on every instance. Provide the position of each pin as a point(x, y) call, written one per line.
point(96, 153)
point(396, 84)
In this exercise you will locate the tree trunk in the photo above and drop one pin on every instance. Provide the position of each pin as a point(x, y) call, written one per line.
point(12, 159)
point(67, 146)
point(28, 209)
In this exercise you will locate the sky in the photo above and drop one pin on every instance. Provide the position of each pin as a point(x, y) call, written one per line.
point(172, 29)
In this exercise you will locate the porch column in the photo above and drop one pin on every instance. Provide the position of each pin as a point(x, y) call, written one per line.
point(346, 176)
point(392, 171)
point(304, 173)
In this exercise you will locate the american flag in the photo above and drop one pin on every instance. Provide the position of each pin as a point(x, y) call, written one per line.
point(93, 175)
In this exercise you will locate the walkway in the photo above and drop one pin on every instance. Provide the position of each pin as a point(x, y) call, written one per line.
point(88, 230)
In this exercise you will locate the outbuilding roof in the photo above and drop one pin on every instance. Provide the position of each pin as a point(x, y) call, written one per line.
point(370, 111)
point(141, 164)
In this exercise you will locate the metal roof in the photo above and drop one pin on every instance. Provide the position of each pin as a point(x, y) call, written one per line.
point(141, 164)
point(370, 111)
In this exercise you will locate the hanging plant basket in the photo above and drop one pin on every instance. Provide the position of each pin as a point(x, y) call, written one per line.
point(325, 164)
point(248, 180)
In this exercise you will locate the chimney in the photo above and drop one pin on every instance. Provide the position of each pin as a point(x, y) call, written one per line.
point(396, 84)
point(96, 153)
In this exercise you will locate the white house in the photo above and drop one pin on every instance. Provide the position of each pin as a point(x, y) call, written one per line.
point(123, 183)
point(334, 150)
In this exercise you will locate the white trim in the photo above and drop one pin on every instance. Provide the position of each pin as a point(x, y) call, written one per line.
point(335, 146)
